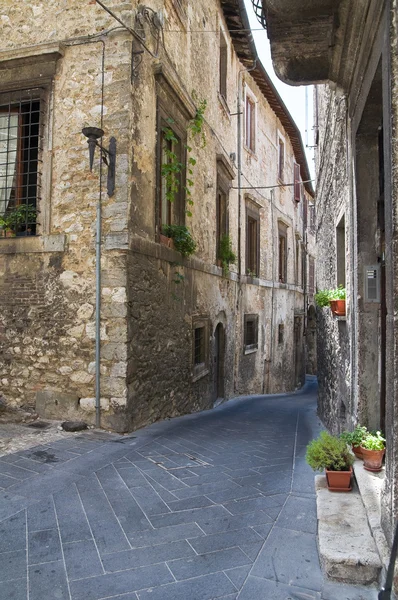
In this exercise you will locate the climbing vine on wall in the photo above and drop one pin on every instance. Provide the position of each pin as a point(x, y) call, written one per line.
point(172, 168)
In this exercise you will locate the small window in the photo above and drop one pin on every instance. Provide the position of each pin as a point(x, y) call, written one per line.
point(223, 66)
point(252, 242)
point(200, 347)
point(281, 159)
point(251, 333)
point(281, 333)
point(20, 148)
point(250, 124)
point(282, 253)
point(171, 184)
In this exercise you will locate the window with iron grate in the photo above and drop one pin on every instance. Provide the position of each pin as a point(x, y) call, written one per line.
point(250, 333)
point(200, 346)
point(21, 136)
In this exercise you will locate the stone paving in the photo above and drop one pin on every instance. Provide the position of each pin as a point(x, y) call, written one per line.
point(216, 505)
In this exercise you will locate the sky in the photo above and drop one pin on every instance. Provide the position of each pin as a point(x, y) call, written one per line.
point(294, 97)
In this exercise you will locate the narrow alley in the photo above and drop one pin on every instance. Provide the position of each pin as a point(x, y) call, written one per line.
point(219, 504)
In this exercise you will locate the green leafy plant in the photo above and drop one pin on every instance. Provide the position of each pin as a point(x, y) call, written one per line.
point(24, 214)
point(322, 298)
point(225, 253)
point(172, 168)
point(374, 441)
point(329, 452)
point(338, 293)
point(182, 238)
point(354, 438)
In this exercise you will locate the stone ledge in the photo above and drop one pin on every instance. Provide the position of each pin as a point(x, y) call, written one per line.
point(33, 244)
point(347, 549)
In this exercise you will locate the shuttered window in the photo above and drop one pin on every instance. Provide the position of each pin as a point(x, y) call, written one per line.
point(297, 183)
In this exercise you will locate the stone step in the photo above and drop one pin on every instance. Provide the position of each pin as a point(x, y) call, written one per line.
point(347, 549)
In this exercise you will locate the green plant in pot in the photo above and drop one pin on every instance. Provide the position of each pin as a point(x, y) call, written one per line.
point(331, 453)
point(182, 238)
point(337, 300)
point(373, 447)
point(354, 439)
point(14, 220)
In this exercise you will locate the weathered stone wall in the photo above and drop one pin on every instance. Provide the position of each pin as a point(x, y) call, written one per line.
point(332, 202)
point(47, 283)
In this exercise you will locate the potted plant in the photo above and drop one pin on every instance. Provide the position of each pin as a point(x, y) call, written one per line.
point(14, 220)
point(354, 439)
point(182, 238)
point(373, 447)
point(331, 453)
point(337, 301)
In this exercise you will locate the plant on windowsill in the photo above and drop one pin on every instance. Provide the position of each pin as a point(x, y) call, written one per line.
point(18, 220)
point(334, 298)
point(373, 447)
point(182, 238)
point(354, 439)
point(333, 455)
point(225, 253)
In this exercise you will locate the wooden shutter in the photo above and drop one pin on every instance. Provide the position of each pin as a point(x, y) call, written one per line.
point(297, 186)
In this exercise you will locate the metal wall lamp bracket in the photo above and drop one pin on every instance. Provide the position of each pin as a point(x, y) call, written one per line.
point(108, 155)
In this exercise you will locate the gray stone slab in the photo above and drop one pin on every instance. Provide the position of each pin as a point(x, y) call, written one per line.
point(167, 480)
point(195, 502)
point(6, 481)
point(12, 565)
point(131, 476)
point(41, 515)
point(256, 589)
point(13, 533)
point(14, 590)
point(290, 557)
point(205, 488)
point(205, 564)
point(149, 500)
point(11, 504)
point(44, 546)
point(263, 530)
point(124, 582)
point(208, 587)
point(340, 591)
point(253, 549)
point(195, 515)
point(254, 504)
point(229, 539)
point(238, 575)
point(48, 581)
point(13, 471)
point(82, 560)
point(72, 520)
point(150, 555)
point(36, 467)
point(229, 522)
point(299, 514)
point(165, 534)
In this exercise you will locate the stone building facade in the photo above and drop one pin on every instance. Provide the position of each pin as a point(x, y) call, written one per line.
point(176, 334)
point(349, 50)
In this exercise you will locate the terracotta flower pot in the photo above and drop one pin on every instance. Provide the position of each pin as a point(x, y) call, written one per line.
point(339, 481)
point(166, 241)
point(372, 459)
point(357, 451)
point(338, 307)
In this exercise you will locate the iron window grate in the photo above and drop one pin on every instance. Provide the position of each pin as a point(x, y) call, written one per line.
point(199, 349)
point(21, 145)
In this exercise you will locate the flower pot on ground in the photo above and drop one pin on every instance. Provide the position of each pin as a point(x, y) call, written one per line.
point(373, 449)
point(354, 439)
point(332, 454)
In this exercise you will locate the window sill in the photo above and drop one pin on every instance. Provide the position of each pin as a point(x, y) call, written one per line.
point(250, 349)
point(251, 152)
point(200, 375)
point(33, 244)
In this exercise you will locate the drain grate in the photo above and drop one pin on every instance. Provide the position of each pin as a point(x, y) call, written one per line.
point(182, 461)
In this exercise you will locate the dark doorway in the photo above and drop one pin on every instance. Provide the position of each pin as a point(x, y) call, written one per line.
point(219, 362)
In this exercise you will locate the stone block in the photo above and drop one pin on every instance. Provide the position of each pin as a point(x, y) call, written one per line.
point(51, 404)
